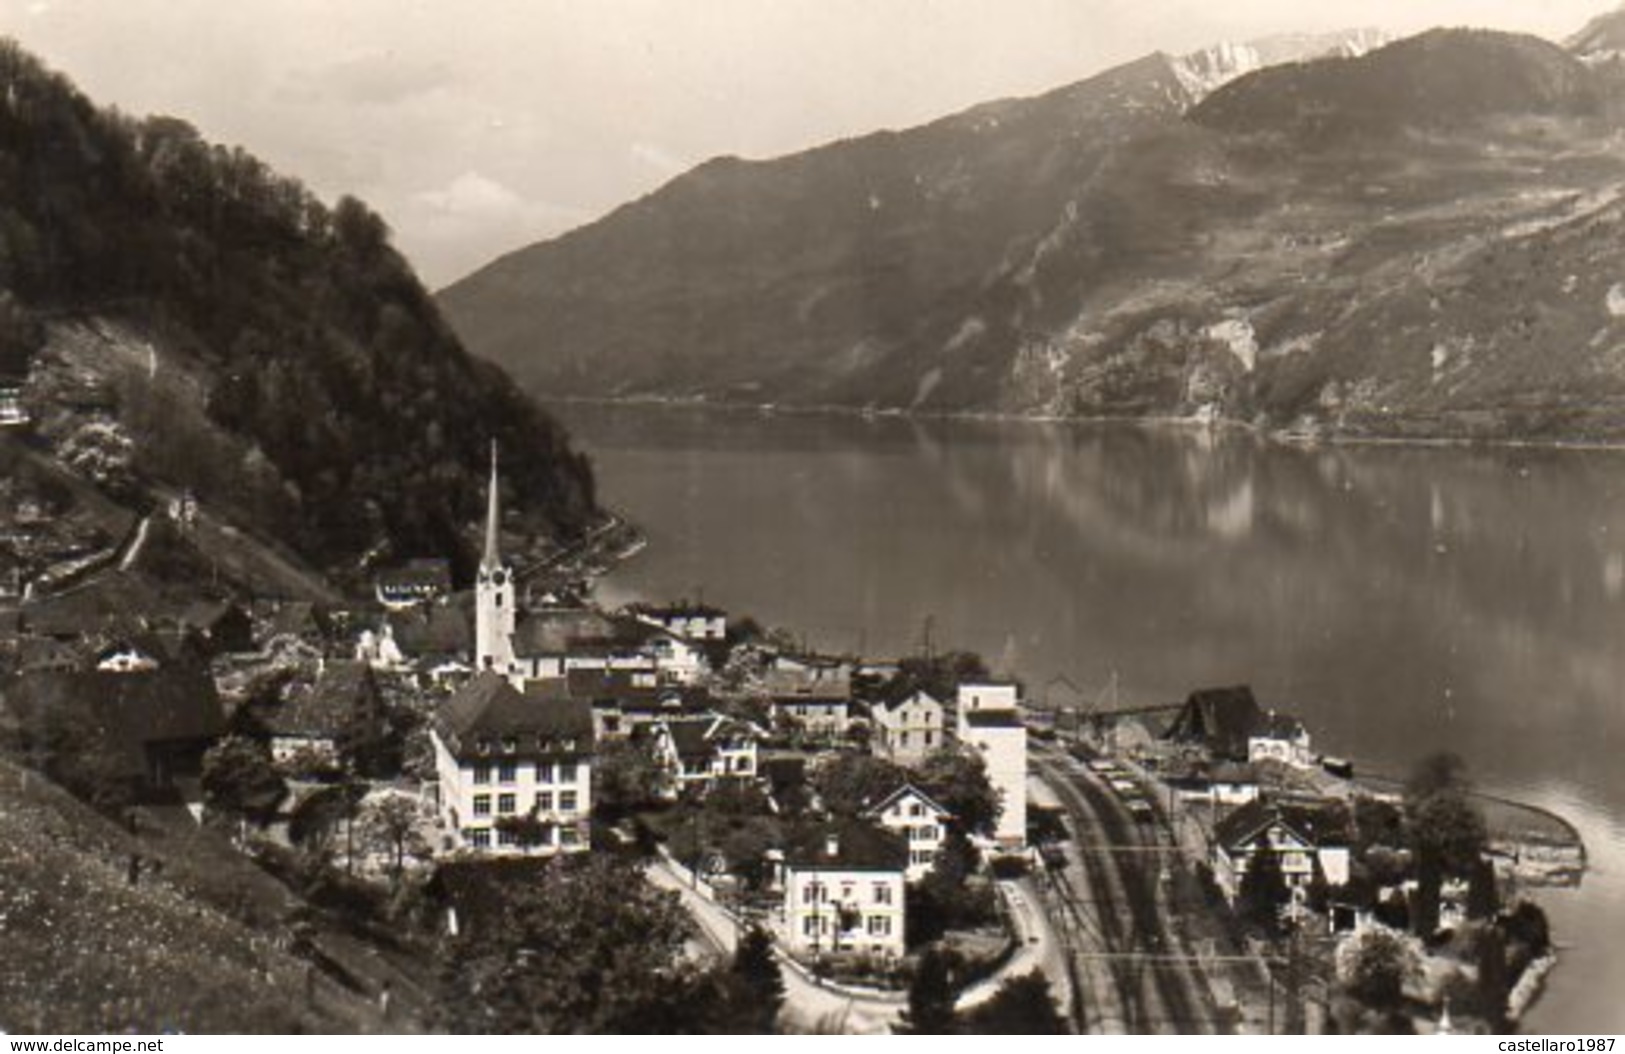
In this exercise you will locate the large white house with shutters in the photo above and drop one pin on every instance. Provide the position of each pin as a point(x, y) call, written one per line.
point(843, 891)
point(514, 768)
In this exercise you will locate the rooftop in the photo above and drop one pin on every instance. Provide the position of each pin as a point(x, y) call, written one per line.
point(488, 709)
point(858, 847)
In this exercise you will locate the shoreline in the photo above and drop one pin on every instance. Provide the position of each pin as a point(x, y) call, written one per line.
point(1279, 436)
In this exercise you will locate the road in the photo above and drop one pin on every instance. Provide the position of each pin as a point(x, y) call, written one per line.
point(1142, 977)
point(808, 1006)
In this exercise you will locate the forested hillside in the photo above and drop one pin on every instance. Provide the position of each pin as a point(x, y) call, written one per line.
point(247, 340)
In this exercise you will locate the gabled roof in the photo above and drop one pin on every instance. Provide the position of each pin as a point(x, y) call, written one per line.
point(907, 790)
point(342, 694)
point(901, 701)
point(859, 846)
point(1316, 825)
point(132, 710)
point(1275, 725)
point(489, 709)
point(1222, 719)
point(830, 700)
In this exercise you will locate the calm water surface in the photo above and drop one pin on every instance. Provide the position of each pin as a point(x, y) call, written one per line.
point(1400, 600)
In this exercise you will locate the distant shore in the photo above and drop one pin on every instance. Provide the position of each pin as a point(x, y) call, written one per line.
point(1283, 436)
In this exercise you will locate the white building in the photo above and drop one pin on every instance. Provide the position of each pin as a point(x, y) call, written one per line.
point(921, 822)
point(690, 621)
point(1282, 738)
point(907, 730)
point(704, 749)
point(989, 722)
point(515, 768)
point(843, 891)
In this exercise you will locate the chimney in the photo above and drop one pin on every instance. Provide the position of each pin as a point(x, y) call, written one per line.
point(832, 845)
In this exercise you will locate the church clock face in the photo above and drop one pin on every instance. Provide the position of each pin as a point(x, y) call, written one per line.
point(499, 578)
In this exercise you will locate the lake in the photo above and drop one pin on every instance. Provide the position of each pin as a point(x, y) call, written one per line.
point(1400, 600)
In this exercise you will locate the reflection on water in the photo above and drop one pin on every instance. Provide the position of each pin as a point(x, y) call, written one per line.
point(1399, 599)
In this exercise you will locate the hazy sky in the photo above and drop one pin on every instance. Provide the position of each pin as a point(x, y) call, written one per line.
point(479, 126)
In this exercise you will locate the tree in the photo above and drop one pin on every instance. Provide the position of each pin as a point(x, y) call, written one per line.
point(585, 946)
point(1374, 965)
point(1448, 830)
point(758, 982)
point(1436, 773)
point(1023, 1006)
point(1264, 892)
point(931, 997)
point(1483, 898)
point(1494, 979)
point(393, 824)
point(849, 783)
point(239, 778)
point(939, 676)
point(958, 782)
point(626, 777)
point(1425, 904)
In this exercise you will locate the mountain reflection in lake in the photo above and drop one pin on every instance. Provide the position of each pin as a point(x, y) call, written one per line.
point(1399, 599)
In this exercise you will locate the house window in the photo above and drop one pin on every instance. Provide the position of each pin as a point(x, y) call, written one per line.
point(928, 736)
point(482, 805)
point(567, 772)
point(809, 926)
point(507, 804)
point(567, 801)
point(506, 837)
point(480, 837)
point(811, 893)
point(569, 836)
point(879, 926)
point(914, 810)
point(509, 744)
point(920, 856)
point(544, 772)
point(508, 772)
point(882, 892)
point(925, 833)
point(544, 801)
point(482, 774)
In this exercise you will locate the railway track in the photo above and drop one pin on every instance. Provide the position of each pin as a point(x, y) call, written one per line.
point(1157, 985)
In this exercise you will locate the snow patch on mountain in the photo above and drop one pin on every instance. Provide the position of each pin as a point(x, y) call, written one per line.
point(1201, 73)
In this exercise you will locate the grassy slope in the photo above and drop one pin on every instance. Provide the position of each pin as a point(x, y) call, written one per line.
point(200, 946)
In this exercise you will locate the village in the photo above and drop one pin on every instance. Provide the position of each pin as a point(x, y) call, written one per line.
point(1189, 867)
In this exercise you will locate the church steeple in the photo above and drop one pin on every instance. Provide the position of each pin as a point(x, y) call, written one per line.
point(492, 558)
point(494, 594)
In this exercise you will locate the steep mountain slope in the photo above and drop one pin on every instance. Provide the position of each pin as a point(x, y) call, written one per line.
point(791, 278)
point(1602, 39)
point(1341, 244)
point(186, 318)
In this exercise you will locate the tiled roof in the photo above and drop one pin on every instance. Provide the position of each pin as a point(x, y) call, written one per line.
point(490, 709)
point(904, 791)
point(1319, 825)
point(858, 847)
point(343, 694)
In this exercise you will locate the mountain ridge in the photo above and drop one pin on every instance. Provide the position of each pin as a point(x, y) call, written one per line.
point(1128, 246)
point(181, 317)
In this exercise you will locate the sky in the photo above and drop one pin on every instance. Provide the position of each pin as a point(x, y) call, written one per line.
point(476, 127)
